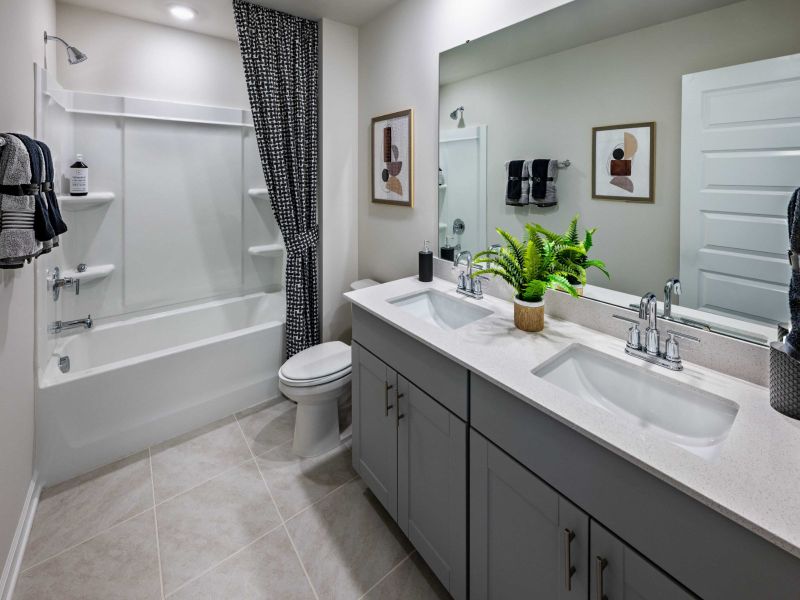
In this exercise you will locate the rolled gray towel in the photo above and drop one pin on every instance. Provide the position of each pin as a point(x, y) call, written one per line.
point(17, 237)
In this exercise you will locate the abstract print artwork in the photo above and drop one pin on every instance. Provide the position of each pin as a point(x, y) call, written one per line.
point(623, 162)
point(392, 159)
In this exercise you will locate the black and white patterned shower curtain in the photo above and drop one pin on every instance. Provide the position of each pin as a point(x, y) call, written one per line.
point(281, 66)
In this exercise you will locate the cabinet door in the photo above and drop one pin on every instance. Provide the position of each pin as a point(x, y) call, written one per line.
point(620, 573)
point(432, 485)
point(526, 541)
point(374, 426)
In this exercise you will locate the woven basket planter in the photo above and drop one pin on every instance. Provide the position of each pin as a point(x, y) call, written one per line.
point(528, 316)
point(784, 380)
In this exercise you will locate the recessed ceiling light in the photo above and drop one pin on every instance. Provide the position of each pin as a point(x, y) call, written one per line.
point(182, 13)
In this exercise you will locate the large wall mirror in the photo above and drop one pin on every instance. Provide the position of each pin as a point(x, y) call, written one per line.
point(673, 128)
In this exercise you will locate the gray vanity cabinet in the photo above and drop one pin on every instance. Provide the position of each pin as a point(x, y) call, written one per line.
point(526, 541)
point(619, 573)
point(432, 484)
point(375, 426)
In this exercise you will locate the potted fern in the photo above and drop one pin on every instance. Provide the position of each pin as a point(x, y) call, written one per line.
point(531, 267)
point(573, 253)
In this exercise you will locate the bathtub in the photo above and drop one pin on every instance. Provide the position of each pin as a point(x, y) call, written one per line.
point(141, 381)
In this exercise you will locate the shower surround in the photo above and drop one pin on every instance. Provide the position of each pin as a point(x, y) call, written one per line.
point(190, 319)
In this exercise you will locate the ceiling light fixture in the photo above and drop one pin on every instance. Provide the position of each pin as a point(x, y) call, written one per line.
point(182, 13)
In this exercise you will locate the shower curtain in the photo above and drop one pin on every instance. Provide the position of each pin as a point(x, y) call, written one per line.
point(281, 65)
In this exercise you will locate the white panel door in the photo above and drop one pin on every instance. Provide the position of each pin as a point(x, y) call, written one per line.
point(740, 162)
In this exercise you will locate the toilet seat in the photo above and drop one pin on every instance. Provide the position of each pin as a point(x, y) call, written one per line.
point(318, 365)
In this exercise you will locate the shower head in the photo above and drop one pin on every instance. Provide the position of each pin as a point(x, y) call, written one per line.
point(74, 56)
point(454, 114)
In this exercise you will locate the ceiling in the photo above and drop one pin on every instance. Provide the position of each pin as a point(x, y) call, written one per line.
point(568, 26)
point(215, 17)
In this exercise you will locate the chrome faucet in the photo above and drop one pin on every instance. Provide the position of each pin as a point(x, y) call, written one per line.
point(57, 282)
point(648, 309)
point(651, 352)
point(467, 284)
point(59, 326)
point(673, 286)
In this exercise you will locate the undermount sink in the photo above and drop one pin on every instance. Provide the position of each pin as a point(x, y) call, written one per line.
point(439, 309)
point(687, 417)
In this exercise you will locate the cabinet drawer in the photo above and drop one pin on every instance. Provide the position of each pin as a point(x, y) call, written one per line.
point(433, 373)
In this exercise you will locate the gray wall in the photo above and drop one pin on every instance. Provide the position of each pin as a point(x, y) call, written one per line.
point(546, 108)
point(21, 25)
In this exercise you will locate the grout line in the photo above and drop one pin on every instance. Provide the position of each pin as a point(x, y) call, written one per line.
point(106, 530)
point(283, 522)
point(392, 570)
point(224, 560)
point(189, 489)
point(155, 518)
point(313, 504)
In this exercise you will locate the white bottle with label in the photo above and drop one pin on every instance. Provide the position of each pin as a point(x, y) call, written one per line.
point(78, 177)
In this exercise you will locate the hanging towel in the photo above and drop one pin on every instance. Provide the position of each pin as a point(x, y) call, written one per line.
point(793, 339)
point(41, 223)
point(525, 196)
point(47, 245)
point(514, 183)
point(544, 173)
point(59, 227)
point(17, 210)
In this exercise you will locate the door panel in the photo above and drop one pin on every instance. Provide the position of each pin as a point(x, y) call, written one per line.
point(374, 426)
point(739, 165)
point(625, 574)
point(432, 484)
point(518, 532)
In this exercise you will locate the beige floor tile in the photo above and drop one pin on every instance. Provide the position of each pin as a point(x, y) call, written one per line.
point(347, 542)
point(190, 459)
point(297, 482)
point(266, 570)
point(268, 425)
point(205, 525)
point(412, 580)
point(79, 509)
point(120, 564)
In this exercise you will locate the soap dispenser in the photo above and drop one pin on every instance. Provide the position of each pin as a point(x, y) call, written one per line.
point(426, 263)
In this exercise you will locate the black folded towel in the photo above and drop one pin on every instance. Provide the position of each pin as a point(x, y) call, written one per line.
point(41, 221)
point(514, 185)
point(52, 201)
point(793, 339)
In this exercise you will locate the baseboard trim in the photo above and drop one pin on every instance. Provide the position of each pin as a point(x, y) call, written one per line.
point(13, 564)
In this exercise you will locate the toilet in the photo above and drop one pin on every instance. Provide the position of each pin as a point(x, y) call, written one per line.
point(316, 379)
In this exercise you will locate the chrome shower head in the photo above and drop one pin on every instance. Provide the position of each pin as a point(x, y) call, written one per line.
point(74, 56)
point(454, 114)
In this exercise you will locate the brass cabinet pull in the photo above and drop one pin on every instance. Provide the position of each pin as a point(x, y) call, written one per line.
point(600, 566)
point(569, 569)
point(386, 405)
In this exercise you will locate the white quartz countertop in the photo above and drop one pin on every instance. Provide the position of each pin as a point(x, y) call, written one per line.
point(753, 479)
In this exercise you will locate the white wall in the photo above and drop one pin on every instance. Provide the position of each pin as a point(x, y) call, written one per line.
point(21, 26)
point(398, 67)
point(541, 109)
point(339, 123)
point(128, 57)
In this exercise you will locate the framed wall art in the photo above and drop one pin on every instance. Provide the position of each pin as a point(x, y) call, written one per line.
point(623, 162)
point(393, 158)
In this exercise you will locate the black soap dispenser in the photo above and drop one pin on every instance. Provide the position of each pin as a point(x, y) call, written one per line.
point(426, 263)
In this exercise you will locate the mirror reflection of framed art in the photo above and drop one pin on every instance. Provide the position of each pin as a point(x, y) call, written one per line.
point(623, 162)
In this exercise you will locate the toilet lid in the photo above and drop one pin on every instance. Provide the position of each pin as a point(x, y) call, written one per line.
point(317, 362)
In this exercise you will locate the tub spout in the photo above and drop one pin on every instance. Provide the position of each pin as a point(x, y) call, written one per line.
point(59, 326)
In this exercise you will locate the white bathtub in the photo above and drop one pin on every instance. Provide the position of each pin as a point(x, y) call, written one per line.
point(141, 381)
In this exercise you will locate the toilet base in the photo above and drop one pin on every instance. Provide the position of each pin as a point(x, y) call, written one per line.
point(316, 429)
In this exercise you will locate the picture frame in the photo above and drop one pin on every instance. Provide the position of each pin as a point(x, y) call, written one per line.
point(623, 162)
point(392, 163)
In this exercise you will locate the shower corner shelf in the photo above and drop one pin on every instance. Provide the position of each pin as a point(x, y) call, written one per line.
point(258, 193)
point(90, 274)
point(90, 200)
point(266, 250)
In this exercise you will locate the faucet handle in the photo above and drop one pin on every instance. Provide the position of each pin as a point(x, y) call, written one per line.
point(634, 335)
point(672, 351)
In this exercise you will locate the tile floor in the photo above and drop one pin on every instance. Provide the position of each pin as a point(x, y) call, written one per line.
point(225, 512)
